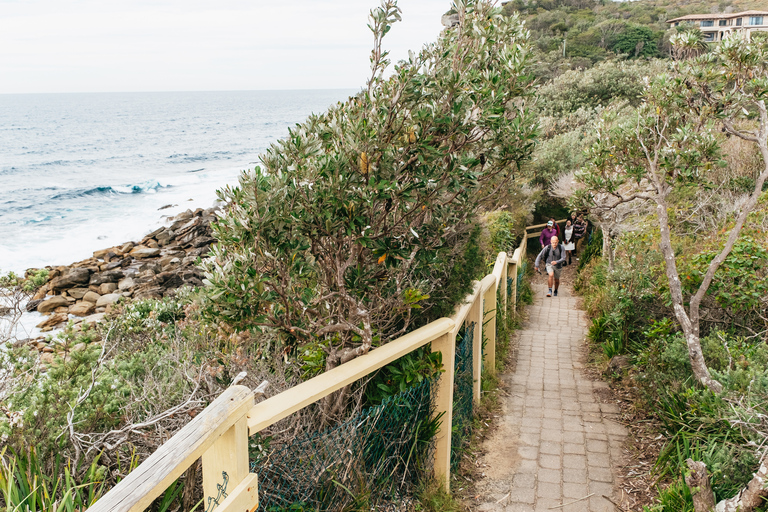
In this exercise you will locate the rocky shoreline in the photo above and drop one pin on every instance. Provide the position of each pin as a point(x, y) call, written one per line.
point(153, 267)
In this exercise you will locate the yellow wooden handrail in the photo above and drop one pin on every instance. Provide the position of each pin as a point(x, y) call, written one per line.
point(220, 433)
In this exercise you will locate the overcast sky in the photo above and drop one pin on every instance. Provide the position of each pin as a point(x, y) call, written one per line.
point(190, 45)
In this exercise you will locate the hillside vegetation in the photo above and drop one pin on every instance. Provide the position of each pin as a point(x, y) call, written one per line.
point(373, 218)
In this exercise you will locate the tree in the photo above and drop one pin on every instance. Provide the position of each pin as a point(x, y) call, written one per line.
point(365, 213)
point(672, 142)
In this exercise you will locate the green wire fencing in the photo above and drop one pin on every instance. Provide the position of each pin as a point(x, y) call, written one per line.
point(373, 459)
point(463, 381)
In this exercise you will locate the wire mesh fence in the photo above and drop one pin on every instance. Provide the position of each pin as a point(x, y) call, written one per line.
point(521, 274)
point(373, 459)
point(462, 393)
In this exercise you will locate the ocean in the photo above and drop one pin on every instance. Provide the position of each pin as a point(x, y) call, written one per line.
point(81, 172)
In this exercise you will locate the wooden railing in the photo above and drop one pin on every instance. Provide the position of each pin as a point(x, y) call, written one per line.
point(219, 434)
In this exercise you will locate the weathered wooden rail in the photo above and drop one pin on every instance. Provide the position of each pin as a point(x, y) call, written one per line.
point(219, 434)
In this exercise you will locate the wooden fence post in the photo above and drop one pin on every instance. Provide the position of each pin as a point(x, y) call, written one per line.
point(476, 315)
point(503, 282)
point(446, 345)
point(489, 304)
point(229, 454)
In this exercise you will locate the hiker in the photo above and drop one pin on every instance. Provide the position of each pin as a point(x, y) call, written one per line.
point(569, 243)
point(554, 257)
point(557, 227)
point(579, 232)
point(547, 233)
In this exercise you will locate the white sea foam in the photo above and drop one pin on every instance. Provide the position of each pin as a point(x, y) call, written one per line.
point(99, 178)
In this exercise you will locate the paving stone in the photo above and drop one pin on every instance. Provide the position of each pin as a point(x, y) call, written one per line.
point(524, 480)
point(549, 475)
point(573, 491)
point(601, 460)
point(523, 495)
point(551, 448)
point(550, 461)
point(528, 452)
point(593, 445)
point(575, 476)
point(549, 490)
point(575, 462)
point(575, 448)
point(519, 507)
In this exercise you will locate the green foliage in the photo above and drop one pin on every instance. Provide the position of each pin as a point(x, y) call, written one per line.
point(377, 195)
point(741, 282)
point(592, 249)
point(25, 484)
point(405, 372)
point(606, 82)
point(636, 41)
point(505, 231)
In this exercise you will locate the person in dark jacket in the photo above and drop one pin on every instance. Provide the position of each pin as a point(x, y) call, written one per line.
point(579, 232)
point(554, 257)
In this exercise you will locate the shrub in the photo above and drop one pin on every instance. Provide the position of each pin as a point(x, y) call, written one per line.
point(367, 212)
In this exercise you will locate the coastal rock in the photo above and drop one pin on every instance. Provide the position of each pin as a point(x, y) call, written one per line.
point(92, 297)
point(153, 266)
point(125, 248)
point(168, 280)
point(82, 308)
point(46, 358)
point(101, 255)
point(52, 321)
point(42, 292)
point(164, 236)
point(111, 276)
point(154, 292)
point(71, 279)
point(202, 241)
point(115, 264)
point(110, 298)
point(62, 309)
point(170, 262)
point(32, 305)
point(93, 319)
point(125, 284)
point(77, 293)
point(51, 304)
point(106, 288)
point(144, 252)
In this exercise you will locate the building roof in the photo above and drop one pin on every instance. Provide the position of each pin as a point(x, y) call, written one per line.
point(696, 17)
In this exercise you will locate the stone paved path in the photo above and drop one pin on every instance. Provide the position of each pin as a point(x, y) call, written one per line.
point(556, 442)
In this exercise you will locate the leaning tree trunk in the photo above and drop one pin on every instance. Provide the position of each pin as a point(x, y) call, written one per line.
point(746, 500)
point(690, 328)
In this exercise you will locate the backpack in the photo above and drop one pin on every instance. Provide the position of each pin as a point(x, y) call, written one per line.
point(548, 250)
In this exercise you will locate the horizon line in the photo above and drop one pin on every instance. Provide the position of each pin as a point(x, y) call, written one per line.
point(179, 90)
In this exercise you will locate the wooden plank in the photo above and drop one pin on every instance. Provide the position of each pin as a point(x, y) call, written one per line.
point(228, 454)
point(536, 226)
point(498, 266)
point(462, 311)
point(245, 497)
point(145, 483)
point(291, 400)
point(487, 282)
point(446, 345)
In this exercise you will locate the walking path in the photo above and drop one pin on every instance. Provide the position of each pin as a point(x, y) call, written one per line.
point(556, 442)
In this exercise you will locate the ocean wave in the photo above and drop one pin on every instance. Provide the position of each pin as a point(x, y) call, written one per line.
point(114, 190)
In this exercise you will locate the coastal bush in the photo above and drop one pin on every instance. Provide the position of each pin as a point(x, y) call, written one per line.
point(368, 212)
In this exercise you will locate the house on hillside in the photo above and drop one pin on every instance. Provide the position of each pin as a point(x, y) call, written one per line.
point(717, 26)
